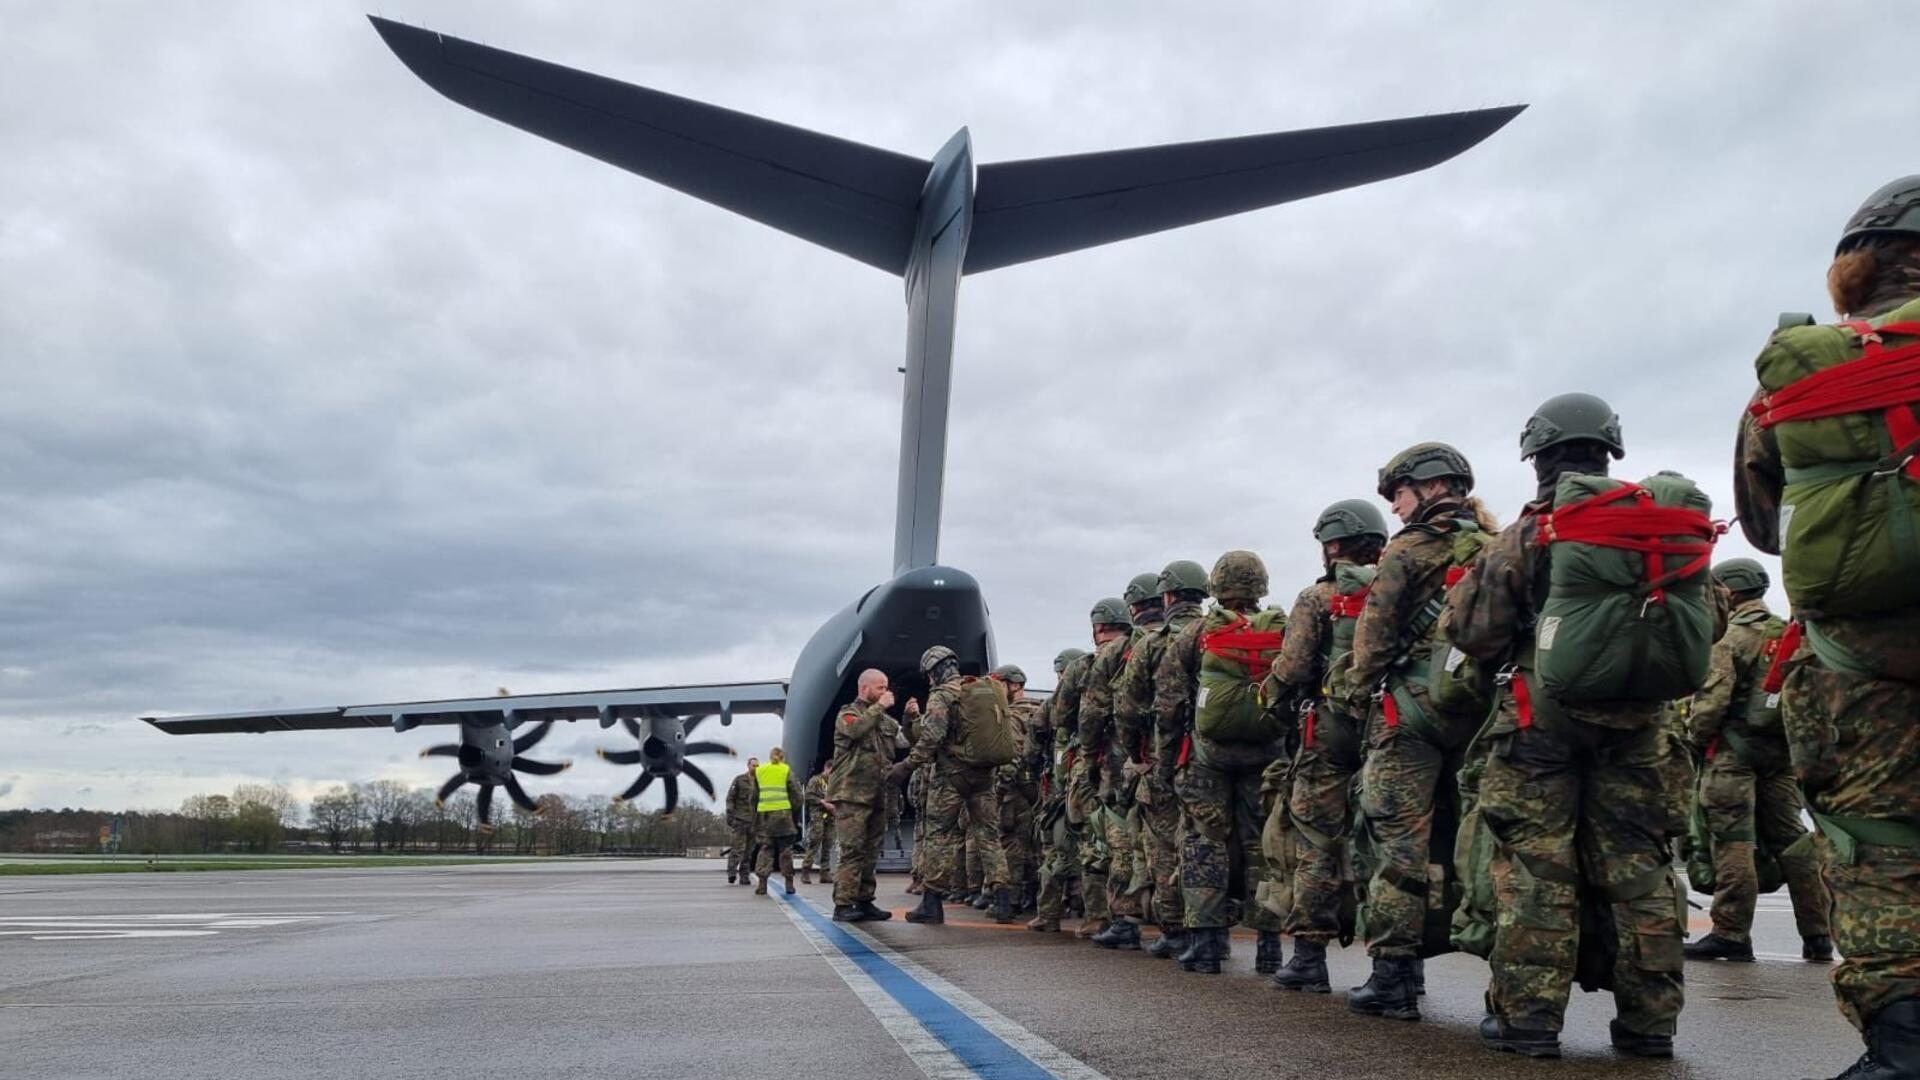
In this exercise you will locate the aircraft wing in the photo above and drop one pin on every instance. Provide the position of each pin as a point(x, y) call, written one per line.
point(720, 699)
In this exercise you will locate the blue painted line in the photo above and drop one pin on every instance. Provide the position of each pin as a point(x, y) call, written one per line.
point(981, 1050)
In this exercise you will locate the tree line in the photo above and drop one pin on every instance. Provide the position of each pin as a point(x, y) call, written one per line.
point(376, 817)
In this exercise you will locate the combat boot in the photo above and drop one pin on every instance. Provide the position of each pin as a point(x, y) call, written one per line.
point(1266, 952)
point(981, 900)
point(789, 881)
point(874, 913)
point(1091, 927)
point(849, 913)
point(1209, 948)
point(1419, 977)
point(1307, 970)
point(1818, 949)
point(806, 875)
point(1715, 947)
point(1527, 1042)
point(1121, 934)
point(1030, 900)
point(761, 889)
point(1003, 905)
point(929, 910)
point(1635, 1044)
point(1893, 1045)
point(1171, 943)
point(1040, 924)
point(1389, 991)
point(730, 878)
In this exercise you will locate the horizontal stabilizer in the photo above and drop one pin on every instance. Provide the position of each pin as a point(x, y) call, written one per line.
point(1045, 206)
point(854, 199)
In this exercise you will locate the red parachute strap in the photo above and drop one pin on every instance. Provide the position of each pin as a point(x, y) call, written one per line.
point(1881, 378)
point(1782, 651)
point(1390, 710)
point(1253, 649)
point(1642, 527)
point(1348, 605)
point(1307, 724)
point(1522, 700)
point(1455, 574)
point(1186, 751)
point(1046, 786)
point(1713, 748)
point(1067, 759)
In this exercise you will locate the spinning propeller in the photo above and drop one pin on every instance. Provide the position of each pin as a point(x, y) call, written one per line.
point(489, 754)
point(663, 753)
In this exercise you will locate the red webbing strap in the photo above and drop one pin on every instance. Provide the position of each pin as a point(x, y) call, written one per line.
point(1186, 751)
point(1455, 574)
point(1781, 650)
point(1307, 723)
point(1252, 649)
point(1881, 378)
point(1522, 700)
point(1390, 709)
point(1642, 527)
point(1348, 605)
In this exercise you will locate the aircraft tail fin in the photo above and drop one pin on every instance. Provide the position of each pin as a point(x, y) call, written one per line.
point(858, 200)
point(1031, 209)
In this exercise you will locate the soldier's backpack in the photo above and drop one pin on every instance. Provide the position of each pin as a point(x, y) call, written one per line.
point(1236, 652)
point(1843, 402)
point(1701, 876)
point(1456, 684)
point(1628, 615)
point(1763, 696)
point(984, 730)
point(1351, 583)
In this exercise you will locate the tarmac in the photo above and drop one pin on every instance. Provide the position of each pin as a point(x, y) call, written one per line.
point(659, 969)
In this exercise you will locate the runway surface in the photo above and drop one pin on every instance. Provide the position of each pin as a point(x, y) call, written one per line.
point(659, 969)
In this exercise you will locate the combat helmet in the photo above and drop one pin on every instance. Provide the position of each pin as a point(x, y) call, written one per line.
point(1111, 611)
point(1010, 673)
point(1239, 575)
point(1067, 656)
point(1183, 575)
point(934, 657)
point(1894, 209)
point(1569, 417)
point(1349, 518)
point(1142, 588)
point(1742, 575)
point(1424, 461)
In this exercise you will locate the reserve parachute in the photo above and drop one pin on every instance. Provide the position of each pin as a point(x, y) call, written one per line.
point(1236, 652)
point(985, 733)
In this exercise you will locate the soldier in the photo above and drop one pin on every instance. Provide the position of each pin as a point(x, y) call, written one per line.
point(819, 827)
point(1210, 663)
point(774, 827)
point(1089, 718)
point(741, 798)
point(863, 742)
point(1060, 856)
point(955, 788)
point(1351, 534)
point(1111, 754)
point(1183, 592)
point(1155, 818)
point(1408, 801)
point(1748, 792)
point(1573, 783)
point(1813, 465)
point(1016, 788)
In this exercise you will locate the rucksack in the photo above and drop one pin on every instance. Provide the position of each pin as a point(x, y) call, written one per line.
point(1351, 583)
point(1701, 877)
point(1841, 403)
point(1763, 697)
point(984, 730)
point(1628, 616)
point(1456, 683)
point(1236, 652)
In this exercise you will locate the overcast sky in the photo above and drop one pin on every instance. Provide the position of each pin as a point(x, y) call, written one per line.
point(323, 390)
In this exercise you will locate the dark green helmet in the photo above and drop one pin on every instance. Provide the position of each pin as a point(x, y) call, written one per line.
point(1183, 575)
point(1424, 461)
point(1742, 575)
point(1067, 656)
point(1111, 612)
point(1349, 518)
point(1894, 209)
point(1010, 674)
point(1569, 417)
point(936, 656)
point(1238, 575)
point(1142, 588)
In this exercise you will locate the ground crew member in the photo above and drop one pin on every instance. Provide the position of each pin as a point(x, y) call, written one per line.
point(1573, 792)
point(863, 741)
point(1747, 790)
point(1351, 534)
point(1837, 470)
point(774, 827)
point(819, 828)
point(1111, 813)
point(954, 788)
point(741, 801)
point(1091, 728)
point(1060, 856)
point(1017, 789)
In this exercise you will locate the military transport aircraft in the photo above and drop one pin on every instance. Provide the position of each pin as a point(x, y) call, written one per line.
point(928, 221)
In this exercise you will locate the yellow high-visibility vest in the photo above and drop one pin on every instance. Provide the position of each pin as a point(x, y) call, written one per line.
point(773, 786)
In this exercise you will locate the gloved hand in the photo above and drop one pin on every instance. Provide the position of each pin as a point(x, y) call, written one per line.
point(899, 773)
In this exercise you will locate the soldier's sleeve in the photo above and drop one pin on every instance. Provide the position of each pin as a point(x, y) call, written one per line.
point(1707, 714)
point(1173, 680)
point(1485, 609)
point(859, 723)
point(1130, 711)
point(1066, 701)
point(1376, 634)
point(1758, 477)
point(933, 726)
point(1298, 665)
point(794, 796)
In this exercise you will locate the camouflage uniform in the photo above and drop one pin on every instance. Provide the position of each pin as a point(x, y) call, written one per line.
point(1851, 711)
point(1097, 777)
point(1320, 801)
point(954, 789)
point(917, 798)
point(742, 798)
point(819, 827)
point(1060, 852)
point(1018, 791)
point(1748, 791)
point(1574, 800)
point(863, 741)
point(1158, 813)
point(1080, 792)
point(774, 830)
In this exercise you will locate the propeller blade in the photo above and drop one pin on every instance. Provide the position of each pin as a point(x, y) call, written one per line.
point(540, 768)
point(709, 748)
point(519, 794)
point(450, 787)
point(483, 803)
point(698, 776)
point(451, 749)
point(524, 743)
point(635, 788)
point(692, 722)
point(632, 726)
point(673, 795)
point(620, 757)
point(471, 757)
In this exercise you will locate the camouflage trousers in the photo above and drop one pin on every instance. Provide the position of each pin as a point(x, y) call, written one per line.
point(1089, 836)
point(920, 844)
point(973, 842)
point(740, 850)
point(1017, 830)
point(1059, 866)
point(1123, 890)
point(1409, 807)
point(958, 792)
point(819, 842)
point(1576, 805)
point(1321, 804)
point(858, 827)
point(1221, 863)
point(1745, 806)
point(775, 832)
point(1159, 828)
point(1855, 742)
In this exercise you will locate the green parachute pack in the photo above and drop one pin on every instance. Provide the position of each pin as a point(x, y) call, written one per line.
point(1840, 401)
point(1236, 653)
point(984, 730)
point(1628, 615)
point(1351, 583)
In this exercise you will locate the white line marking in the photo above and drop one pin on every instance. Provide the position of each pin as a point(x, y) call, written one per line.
point(119, 927)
